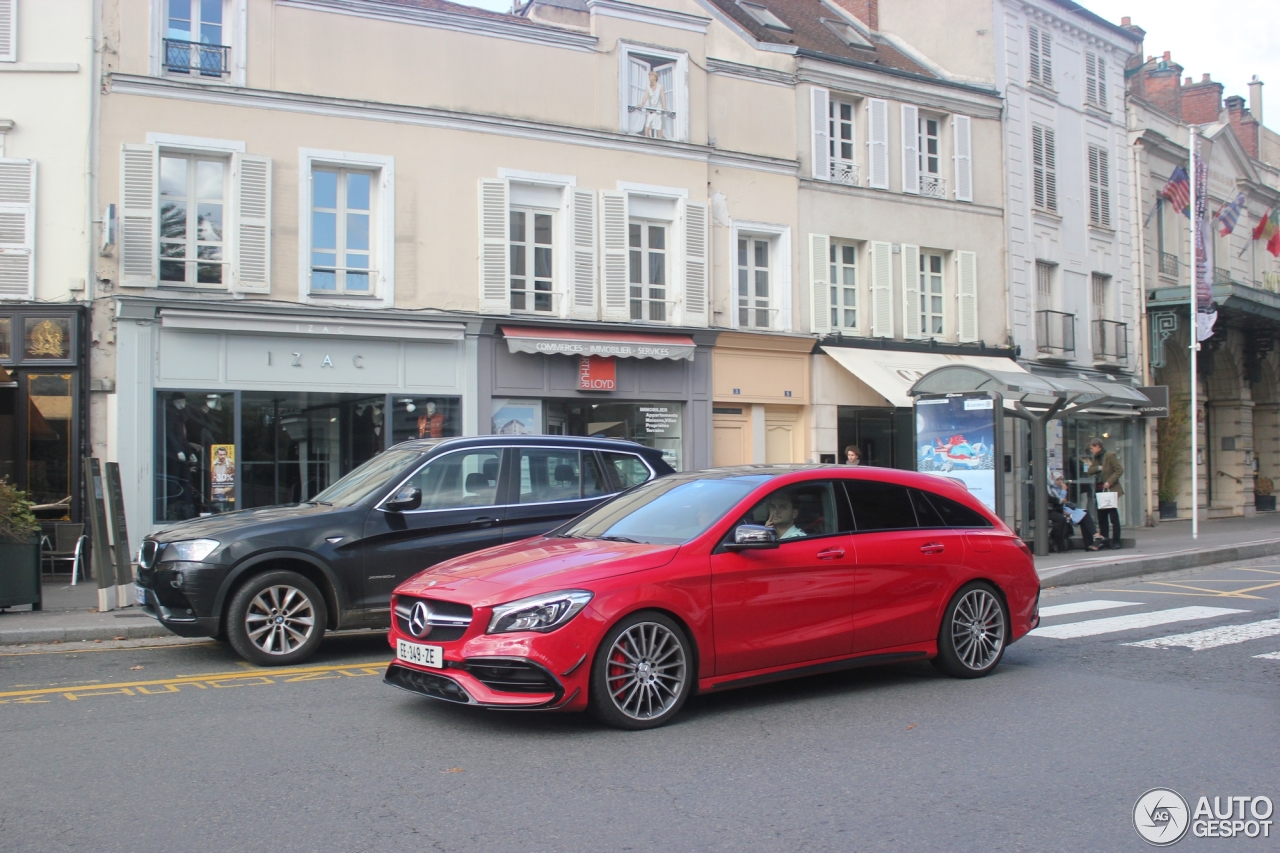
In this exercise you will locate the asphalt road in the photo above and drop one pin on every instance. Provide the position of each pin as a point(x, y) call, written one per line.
point(183, 747)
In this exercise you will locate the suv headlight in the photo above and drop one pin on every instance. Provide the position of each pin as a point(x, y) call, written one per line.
point(190, 550)
point(540, 613)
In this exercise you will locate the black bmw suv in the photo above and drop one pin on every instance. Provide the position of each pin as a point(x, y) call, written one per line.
point(272, 580)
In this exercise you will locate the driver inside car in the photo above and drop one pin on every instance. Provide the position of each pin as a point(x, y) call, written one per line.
point(782, 516)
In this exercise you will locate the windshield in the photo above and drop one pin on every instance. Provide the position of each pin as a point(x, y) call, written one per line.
point(366, 479)
point(666, 511)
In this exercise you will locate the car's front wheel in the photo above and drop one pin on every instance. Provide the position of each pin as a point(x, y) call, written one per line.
point(975, 630)
point(643, 672)
point(276, 619)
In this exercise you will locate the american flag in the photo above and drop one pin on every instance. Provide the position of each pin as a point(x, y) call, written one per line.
point(1178, 190)
point(1230, 215)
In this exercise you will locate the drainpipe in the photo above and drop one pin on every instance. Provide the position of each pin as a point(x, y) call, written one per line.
point(1140, 267)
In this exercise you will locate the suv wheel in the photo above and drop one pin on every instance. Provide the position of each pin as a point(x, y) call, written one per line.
point(276, 619)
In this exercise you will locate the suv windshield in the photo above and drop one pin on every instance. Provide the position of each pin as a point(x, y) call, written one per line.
point(667, 511)
point(366, 479)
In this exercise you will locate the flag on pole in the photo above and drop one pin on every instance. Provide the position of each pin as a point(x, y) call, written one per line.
point(1269, 229)
point(1206, 311)
point(1178, 190)
point(1229, 215)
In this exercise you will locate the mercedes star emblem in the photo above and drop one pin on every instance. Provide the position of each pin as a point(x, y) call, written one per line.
point(419, 620)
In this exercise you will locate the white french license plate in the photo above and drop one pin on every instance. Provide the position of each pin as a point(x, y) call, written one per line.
point(432, 656)
point(139, 595)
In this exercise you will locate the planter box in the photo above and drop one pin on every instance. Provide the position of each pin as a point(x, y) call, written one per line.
point(1168, 510)
point(20, 574)
point(1264, 503)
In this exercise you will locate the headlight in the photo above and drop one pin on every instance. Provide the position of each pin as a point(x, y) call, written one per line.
point(540, 613)
point(192, 550)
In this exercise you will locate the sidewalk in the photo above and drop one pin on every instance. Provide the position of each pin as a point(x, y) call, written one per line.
point(70, 614)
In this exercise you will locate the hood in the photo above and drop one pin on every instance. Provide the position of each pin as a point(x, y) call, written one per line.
point(543, 563)
point(239, 522)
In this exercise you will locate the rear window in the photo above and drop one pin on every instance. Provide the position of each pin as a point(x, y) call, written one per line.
point(954, 513)
point(880, 506)
point(629, 468)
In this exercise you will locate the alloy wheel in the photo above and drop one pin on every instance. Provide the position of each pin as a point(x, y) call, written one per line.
point(646, 670)
point(977, 629)
point(280, 618)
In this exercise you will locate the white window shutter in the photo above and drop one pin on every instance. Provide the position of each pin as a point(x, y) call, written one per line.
point(1090, 77)
point(494, 252)
point(820, 116)
point(17, 228)
point(637, 85)
point(911, 291)
point(1050, 171)
point(616, 306)
point(1046, 58)
point(967, 293)
point(1104, 189)
point(819, 284)
point(8, 30)
point(251, 224)
point(1101, 67)
point(963, 145)
point(696, 240)
point(582, 287)
point(139, 216)
point(881, 290)
point(878, 143)
point(910, 149)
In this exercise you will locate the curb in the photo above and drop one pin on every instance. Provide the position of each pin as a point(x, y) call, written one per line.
point(77, 633)
point(1103, 569)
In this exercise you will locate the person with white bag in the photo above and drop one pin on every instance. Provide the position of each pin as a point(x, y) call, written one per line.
point(1107, 470)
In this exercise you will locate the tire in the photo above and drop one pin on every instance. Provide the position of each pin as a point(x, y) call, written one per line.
point(286, 599)
point(974, 632)
point(642, 673)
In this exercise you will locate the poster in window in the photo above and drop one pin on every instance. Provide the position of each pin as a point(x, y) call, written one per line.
point(517, 417)
point(222, 474)
point(955, 437)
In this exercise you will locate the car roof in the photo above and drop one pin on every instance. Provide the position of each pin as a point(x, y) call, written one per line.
point(920, 480)
point(618, 444)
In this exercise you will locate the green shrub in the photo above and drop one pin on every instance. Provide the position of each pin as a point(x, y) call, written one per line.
point(17, 524)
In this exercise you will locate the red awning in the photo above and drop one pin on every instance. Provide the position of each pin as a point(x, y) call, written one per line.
point(608, 344)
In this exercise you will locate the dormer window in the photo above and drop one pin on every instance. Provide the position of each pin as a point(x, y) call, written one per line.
point(764, 17)
point(846, 33)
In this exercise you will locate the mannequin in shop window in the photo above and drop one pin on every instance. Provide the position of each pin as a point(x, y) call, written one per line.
point(431, 424)
point(180, 460)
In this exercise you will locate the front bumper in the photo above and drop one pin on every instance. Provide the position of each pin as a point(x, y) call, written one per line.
point(180, 620)
point(462, 685)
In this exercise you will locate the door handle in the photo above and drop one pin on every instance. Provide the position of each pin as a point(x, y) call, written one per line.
point(932, 548)
point(831, 554)
point(483, 522)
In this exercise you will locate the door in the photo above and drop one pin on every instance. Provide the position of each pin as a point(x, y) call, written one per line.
point(906, 559)
point(459, 514)
point(551, 485)
point(794, 603)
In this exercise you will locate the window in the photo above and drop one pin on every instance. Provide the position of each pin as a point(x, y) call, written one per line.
point(651, 101)
point(1095, 79)
point(880, 506)
point(1044, 168)
point(950, 513)
point(462, 479)
point(931, 312)
point(193, 189)
point(840, 142)
point(846, 33)
point(17, 225)
point(628, 469)
point(764, 16)
point(647, 270)
point(1099, 188)
point(1044, 286)
point(558, 475)
point(195, 41)
point(801, 511)
point(929, 159)
point(8, 33)
point(1101, 285)
point(531, 238)
point(844, 286)
point(753, 282)
point(1040, 56)
point(341, 226)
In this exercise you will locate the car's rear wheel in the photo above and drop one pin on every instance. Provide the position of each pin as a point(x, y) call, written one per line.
point(974, 632)
point(276, 619)
point(643, 672)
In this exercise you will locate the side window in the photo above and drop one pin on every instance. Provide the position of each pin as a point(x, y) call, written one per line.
point(880, 506)
point(556, 474)
point(925, 513)
point(954, 513)
point(801, 511)
point(593, 482)
point(629, 468)
point(462, 479)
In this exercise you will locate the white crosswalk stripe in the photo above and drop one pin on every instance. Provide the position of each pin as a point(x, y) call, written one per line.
point(1212, 638)
point(1084, 607)
point(1115, 624)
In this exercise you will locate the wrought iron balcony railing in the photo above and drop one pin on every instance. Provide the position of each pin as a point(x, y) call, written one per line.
point(933, 186)
point(1221, 276)
point(1110, 341)
point(844, 173)
point(189, 57)
point(1056, 334)
point(1168, 264)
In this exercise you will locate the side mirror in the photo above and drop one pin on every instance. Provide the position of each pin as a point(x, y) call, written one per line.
point(752, 536)
point(408, 498)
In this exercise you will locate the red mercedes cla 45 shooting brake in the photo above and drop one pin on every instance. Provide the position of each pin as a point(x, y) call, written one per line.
point(716, 579)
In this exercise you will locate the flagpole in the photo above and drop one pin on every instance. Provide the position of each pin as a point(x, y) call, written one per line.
point(1194, 268)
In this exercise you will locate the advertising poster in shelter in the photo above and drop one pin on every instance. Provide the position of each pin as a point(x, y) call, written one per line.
point(955, 437)
point(222, 475)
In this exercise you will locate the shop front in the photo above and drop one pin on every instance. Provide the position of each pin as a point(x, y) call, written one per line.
point(41, 406)
point(651, 388)
point(224, 410)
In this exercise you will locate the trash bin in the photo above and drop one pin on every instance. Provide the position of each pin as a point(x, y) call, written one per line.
point(20, 574)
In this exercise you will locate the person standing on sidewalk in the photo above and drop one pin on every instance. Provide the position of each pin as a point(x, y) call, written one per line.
point(1107, 472)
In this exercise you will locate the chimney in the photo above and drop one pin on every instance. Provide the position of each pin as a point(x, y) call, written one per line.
point(1202, 102)
point(1160, 84)
point(1244, 124)
point(1255, 99)
point(867, 11)
point(1138, 33)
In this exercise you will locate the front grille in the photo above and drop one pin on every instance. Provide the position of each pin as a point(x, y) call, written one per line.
point(426, 683)
point(445, 620)
point(511, 675)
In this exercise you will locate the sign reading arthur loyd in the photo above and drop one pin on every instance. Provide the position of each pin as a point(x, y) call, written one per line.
point(955, 437)
point(596, 373)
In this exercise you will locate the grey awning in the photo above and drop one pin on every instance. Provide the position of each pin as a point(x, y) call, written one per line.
point(1033, 391)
